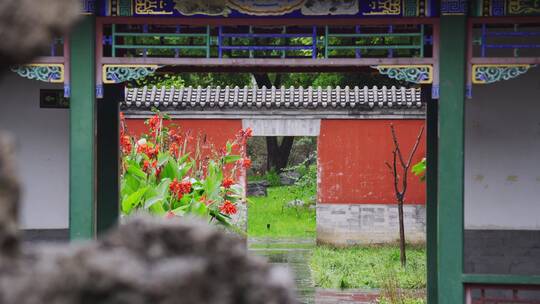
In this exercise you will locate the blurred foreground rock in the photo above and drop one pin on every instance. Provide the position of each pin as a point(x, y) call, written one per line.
point(28, 26)
point(145, 261)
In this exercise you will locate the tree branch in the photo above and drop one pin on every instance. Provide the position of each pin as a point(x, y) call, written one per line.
point(396, 144)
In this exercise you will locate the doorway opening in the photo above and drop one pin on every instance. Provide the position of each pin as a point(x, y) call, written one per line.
point(282, 187)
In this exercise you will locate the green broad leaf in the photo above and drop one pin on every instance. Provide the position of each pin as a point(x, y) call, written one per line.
point(133, 200)
point(198, 208)
point(157, 209)
point(135, 170)
point(184, 170)
point(232, 158)
point(132, 183)
point(212, 184)
point(420, 167)
point(237, 189)
point(170, 170)
point(163, 187)
point(139, 158)
point(183, 159)
point(153, 200)
point(181, 210)
point(229, 147)
point(224, 219)
point(162, 159)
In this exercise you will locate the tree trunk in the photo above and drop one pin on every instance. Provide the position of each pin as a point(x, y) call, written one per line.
point(403, 257)
point(278, 154)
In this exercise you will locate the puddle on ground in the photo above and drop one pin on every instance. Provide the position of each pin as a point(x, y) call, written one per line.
point(294, 254)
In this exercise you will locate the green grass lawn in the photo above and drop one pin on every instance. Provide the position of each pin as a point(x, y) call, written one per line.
point(283, 222)
point(368, 267)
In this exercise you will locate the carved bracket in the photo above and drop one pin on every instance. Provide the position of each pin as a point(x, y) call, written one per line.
point(411, 73)
point(47, 72)
point(490, 73)
point(118, 73)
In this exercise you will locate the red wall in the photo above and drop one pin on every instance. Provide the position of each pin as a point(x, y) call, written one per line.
point(217, 131)
point(352, 156)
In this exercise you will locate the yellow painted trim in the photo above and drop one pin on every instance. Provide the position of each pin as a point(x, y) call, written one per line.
point(105, 66)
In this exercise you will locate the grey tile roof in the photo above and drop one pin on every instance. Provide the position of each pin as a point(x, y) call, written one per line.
point(272, 98)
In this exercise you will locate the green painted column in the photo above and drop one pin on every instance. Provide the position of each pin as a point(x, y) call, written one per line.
point(451, 157)
point(431, 188)
point(108, 157)
point(82, 139)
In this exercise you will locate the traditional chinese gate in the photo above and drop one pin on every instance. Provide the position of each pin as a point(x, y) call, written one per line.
point(449, 45)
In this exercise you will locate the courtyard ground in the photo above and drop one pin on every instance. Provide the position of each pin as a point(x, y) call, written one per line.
point(271, 217)
point(286, 236)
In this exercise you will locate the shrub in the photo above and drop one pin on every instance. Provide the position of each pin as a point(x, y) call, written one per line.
point(273, 178)
point(171, 173)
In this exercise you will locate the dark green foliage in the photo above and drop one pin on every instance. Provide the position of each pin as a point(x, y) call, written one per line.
point(371, 78)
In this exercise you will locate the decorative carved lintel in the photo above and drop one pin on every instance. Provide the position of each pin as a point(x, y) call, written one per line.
point(422, 74)
point(117, 73)
point(47, 72)
point(490, 73)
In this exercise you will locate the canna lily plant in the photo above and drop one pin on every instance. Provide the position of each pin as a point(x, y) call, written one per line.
point(170, 173)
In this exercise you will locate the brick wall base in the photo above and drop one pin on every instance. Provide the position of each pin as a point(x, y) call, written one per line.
point(502, 252)
point(364, 224)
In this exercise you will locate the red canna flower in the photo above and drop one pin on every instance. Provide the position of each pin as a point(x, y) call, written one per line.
point(248, 133)
point(125, 143)
point(228, 208)
point(184, 187)
point(172, 185)
point(143, 148)
point(180, 188)
point(146, 165)
point(227, 182)
point(245, 163)
point(154, 123)
point(174, 149)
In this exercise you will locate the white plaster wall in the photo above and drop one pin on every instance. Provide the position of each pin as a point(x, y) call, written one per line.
point(283, 127)
point(502, 155)
point(42, 137)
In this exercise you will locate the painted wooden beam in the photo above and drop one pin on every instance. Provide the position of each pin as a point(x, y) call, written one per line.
point(257, 21)
point(82, 117)
point(451, 159)
point(502, 279)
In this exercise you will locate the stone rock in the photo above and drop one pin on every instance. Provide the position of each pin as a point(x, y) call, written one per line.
point(258, 188)
point(9, 197)
point(297, 203)
point(145, 260)
point(27, 27)
point(289, 178)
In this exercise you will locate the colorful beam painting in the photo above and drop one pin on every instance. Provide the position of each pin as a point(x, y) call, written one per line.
point(281, 8)
point(304, 8)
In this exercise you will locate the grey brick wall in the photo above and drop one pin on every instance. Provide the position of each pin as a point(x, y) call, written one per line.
point(502, 252)
point(359, 224)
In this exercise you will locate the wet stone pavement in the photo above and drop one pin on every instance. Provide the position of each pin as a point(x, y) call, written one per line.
point(294, 254)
